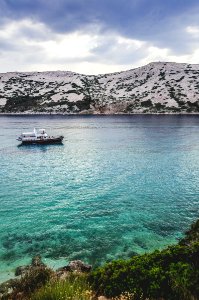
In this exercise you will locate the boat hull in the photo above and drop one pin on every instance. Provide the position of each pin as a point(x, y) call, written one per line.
point(47, 141)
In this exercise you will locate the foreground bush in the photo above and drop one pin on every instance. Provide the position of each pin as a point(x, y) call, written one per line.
point(74, 287)
point(171, 274)
point(31, 281)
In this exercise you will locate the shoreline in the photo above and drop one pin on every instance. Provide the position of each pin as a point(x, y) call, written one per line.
point(9, 273)
point(97, 114)
point(163, 272)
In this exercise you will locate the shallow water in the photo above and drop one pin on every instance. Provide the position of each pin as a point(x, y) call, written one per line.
point(118, 185)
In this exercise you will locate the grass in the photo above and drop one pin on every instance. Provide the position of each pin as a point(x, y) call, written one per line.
point(74, 287)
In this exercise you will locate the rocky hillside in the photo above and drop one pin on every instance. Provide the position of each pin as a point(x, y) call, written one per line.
point(154, 88)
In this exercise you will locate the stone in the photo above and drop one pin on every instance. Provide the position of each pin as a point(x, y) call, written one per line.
point(79, 266)
point(21, 270)
point(64, 269)
point(35, 263)
point(73, 266)
point(6, 288)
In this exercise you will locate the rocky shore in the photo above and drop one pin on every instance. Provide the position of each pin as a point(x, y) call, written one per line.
point(169, 274)
point(8, 288)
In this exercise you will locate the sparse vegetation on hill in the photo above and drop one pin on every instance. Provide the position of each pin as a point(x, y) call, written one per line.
point(155, 88)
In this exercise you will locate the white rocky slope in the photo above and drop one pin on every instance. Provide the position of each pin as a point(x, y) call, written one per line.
point(154, 88)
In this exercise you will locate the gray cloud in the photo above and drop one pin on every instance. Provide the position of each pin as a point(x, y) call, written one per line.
point(111, 51)
point(160, 22)
point(157, 23)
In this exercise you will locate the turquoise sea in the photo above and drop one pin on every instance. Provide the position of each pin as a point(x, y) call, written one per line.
point(118, 185)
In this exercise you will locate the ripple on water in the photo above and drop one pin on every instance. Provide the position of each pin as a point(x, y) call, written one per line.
point(116, 187)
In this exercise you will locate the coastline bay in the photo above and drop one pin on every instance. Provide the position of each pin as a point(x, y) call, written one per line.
point(118, 185)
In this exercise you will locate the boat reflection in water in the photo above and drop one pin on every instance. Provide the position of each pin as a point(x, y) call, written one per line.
point(39, 137)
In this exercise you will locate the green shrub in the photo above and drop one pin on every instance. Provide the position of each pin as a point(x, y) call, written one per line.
point(170, 274)
point(192, 235)
point(181, 280)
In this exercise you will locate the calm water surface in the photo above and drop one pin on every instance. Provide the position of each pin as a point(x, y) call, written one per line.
point(117, 186)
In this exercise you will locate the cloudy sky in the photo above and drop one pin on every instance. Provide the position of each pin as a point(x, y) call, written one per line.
point(96, 36)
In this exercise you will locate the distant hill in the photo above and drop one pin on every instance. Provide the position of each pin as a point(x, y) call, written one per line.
point(155, 88)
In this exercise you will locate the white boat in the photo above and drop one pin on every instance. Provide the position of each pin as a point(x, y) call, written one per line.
point(39, 137)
